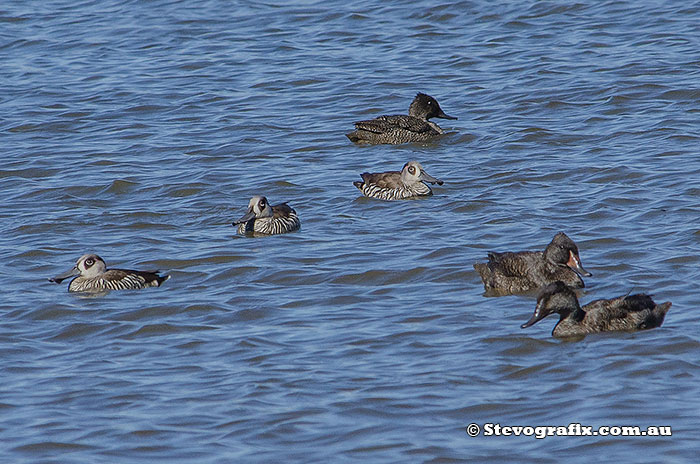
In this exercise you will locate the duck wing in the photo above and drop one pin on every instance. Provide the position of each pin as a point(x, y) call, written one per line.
point(282, 210)
point(391, 179)
point(510, 264)
point(621, 307)
point(628, 312)
point(113, 275)
point(133, 279)
point(384, 124)
point(638, 302)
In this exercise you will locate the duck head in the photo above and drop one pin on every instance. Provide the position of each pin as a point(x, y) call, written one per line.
point(258, 207)
point(412, 172)
point(88, 266)
point(426, 107)
point(563, 251)
point(553, 298)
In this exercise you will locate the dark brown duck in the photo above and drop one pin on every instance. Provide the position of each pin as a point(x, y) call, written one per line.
point(402, 128)
point(627, 313)
point(524, 271)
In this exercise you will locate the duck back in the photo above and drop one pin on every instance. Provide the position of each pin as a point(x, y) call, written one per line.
point(394, 129)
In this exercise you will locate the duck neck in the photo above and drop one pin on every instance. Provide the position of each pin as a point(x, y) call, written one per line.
point(573, 314)
point(435, 126)
point(248, 226)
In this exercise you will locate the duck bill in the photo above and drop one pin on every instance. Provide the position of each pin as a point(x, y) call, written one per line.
point(60, 278)
point(249, 215)
point(538, 315)
point(444, 116)
point(425, 177)
point(575, 264)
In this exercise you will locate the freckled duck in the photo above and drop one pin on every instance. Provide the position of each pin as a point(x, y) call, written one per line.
point(401, 128)
point(625, 313)
point(524, 271)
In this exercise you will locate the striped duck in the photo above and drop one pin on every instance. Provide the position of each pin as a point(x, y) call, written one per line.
point(397, 185)
point(265, 219)
point(92, 275)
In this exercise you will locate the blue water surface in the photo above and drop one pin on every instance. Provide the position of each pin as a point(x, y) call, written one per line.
point(139, 130)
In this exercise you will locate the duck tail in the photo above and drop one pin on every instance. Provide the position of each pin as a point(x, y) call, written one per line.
point(657, 316)
point(484, 273)
point(662, 309)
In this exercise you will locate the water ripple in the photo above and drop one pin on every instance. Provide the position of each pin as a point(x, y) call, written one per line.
point(140, 130)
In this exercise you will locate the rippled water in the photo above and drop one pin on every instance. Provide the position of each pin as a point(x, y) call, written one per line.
point(139, 131)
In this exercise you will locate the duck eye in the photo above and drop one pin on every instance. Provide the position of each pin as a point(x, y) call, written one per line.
point(89, 262)
point(412, 169)
point(262, 203)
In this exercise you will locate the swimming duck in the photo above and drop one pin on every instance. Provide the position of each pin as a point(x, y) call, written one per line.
point(519, 272)
point(401, 128)
point(397, 185)
point(93, 276)
point(625, 313)
point(262, 218)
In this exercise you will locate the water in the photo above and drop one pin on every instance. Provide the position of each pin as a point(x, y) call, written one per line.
point(140, 130)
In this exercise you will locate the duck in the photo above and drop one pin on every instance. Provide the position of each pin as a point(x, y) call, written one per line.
point(628, 313)
point(401, 128)
point(265, 219)
point(524, 271)
point(410, 182)
point(92, 275)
